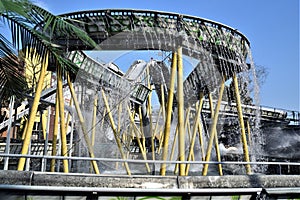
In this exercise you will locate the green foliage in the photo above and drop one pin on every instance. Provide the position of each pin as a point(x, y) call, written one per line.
point(33, 27)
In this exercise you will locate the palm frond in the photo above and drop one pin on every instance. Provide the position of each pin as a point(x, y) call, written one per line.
point(12, 80)
point(34, 27)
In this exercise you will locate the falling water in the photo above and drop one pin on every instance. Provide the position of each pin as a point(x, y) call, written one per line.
point(214, 57)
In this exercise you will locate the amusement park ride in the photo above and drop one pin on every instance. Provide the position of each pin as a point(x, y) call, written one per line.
point(205, 126)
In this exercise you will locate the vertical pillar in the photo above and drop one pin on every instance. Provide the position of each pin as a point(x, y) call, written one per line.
point(33, 112)
point(64, 149)
point(149, 109)
point(216, 138)
point(241, 121)
point(46, 143)
point(54, 140)
point(94, 120)
point(181, 130)
point(196, 123)
point(114, 128)
point(212, 129)
point(83, 128)
point(169, 113)
point(249, 133)
point(138, 134)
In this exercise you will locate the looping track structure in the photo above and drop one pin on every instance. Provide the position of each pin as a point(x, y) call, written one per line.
point(102, 24)
point(221, 50)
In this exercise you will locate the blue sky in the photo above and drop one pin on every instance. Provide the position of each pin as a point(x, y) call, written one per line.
point(272, 27)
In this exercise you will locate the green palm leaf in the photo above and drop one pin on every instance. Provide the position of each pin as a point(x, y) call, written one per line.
point(12, 80)
point(33, 27)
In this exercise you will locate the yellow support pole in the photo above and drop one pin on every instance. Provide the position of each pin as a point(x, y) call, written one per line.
point(25, 128)
point(249, 133)
point(138, 133)
point(181, 131)
point(119, 129)
point(103, 118)
point(83, 127)
point(69, 115)
point(216, 138)
point(169, 113)
point(119, 117)
point(196, 123)
point(156, 124)
point(163, 101)
point(114, 128)
point(44, 124)
point(242, 126)
point(33, 112)
point(186, 122)
point(174, 143)
point(149, 110)
point(93, 124)
point(212, 129)
point(200, 137)
point(64, 149)
point(141, 128)
point(54, 140)
point(94, 120)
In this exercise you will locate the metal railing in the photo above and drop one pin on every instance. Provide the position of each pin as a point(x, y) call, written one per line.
point(37, 153)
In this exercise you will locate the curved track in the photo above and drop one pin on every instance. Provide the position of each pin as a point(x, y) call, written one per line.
point(220, 49)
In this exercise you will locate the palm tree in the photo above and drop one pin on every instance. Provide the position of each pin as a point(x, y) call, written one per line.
point(32, 29)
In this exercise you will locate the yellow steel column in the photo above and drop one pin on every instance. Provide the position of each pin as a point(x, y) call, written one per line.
point(33, 111)
point(94, 124)
point(216, 137)
point(64, 149)
point(114, 128)
point(201, 138)
point(54, 140)
point(186, 124)
point(241, 120)
point(141, 128)
point(249, 133)
point(169, 113)
point(149, 110)
point(94, 120)
point(196, 122)
point(83, 128)
point(163, 101)
point(44, 124)
point(212, 129)
point(181, 131)
point(137, 134)
point(69, 115)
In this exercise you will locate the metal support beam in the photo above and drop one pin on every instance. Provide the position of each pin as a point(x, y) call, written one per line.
point(213, 128)
point(216, 137)
point(54, 140)
point(33, 112)
point(169, 113)
point(61, 106)
point(114, 128)
point(83, 127)
point(138, 134)
point(241, 121)
point(181, 130)
point(196, 123)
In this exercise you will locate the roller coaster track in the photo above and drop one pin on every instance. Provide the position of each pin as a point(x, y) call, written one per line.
point(216, 45)
point(100, 74)
point(102, 24)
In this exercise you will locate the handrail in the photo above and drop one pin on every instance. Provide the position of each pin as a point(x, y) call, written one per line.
point(149, 161)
